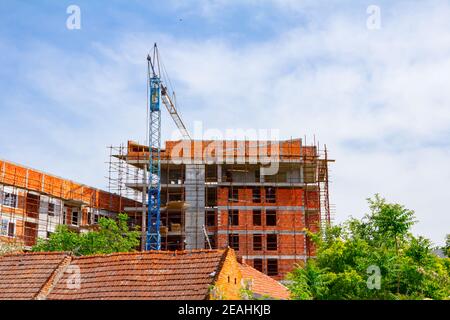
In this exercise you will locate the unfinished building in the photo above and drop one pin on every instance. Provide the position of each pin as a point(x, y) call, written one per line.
point(225, 193)
point(34, 203)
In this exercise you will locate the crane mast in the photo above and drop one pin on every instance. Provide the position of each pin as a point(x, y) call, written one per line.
point(153, 241)
point(157, 94)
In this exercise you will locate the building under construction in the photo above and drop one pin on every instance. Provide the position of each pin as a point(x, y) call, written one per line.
point(33, 203)
point(257, 197)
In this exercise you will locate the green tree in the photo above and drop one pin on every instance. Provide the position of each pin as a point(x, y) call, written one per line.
point(447, 246)
point(111, 236)
point(373, 258)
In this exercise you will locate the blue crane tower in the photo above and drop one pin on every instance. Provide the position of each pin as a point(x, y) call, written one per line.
point(157, 93)
point(154, 184)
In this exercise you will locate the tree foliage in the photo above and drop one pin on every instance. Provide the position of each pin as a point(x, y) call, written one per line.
point(447, 246)
point(111, 236)
point(350, 255)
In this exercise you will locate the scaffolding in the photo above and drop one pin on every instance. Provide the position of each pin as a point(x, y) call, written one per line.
point(128, 177)
point(222, 198)
point(312, 206)
point(33, 204)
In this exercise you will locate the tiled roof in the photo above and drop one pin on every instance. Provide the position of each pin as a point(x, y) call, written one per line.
point(144, 275)
point(167, 275)
point(263, 285)
point(22, 276)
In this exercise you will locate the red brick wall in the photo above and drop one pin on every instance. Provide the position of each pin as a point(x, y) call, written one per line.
point(284, 197)
point(287, 220)
point(228, 283)
point(33, 180)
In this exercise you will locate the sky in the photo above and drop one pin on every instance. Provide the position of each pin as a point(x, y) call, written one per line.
point(377, 95)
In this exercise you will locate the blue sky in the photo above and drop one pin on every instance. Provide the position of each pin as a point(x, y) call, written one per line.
point(379, 99)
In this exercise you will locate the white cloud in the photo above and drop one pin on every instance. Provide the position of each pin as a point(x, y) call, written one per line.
point(378, 99)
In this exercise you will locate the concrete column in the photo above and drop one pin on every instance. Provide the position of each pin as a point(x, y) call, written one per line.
point(219, 173)
point(195, 206)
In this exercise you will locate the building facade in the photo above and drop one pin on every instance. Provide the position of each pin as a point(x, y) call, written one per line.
point(34, 203)
point(256, 197)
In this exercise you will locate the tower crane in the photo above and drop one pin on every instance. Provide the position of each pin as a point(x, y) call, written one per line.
point(157, 93)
